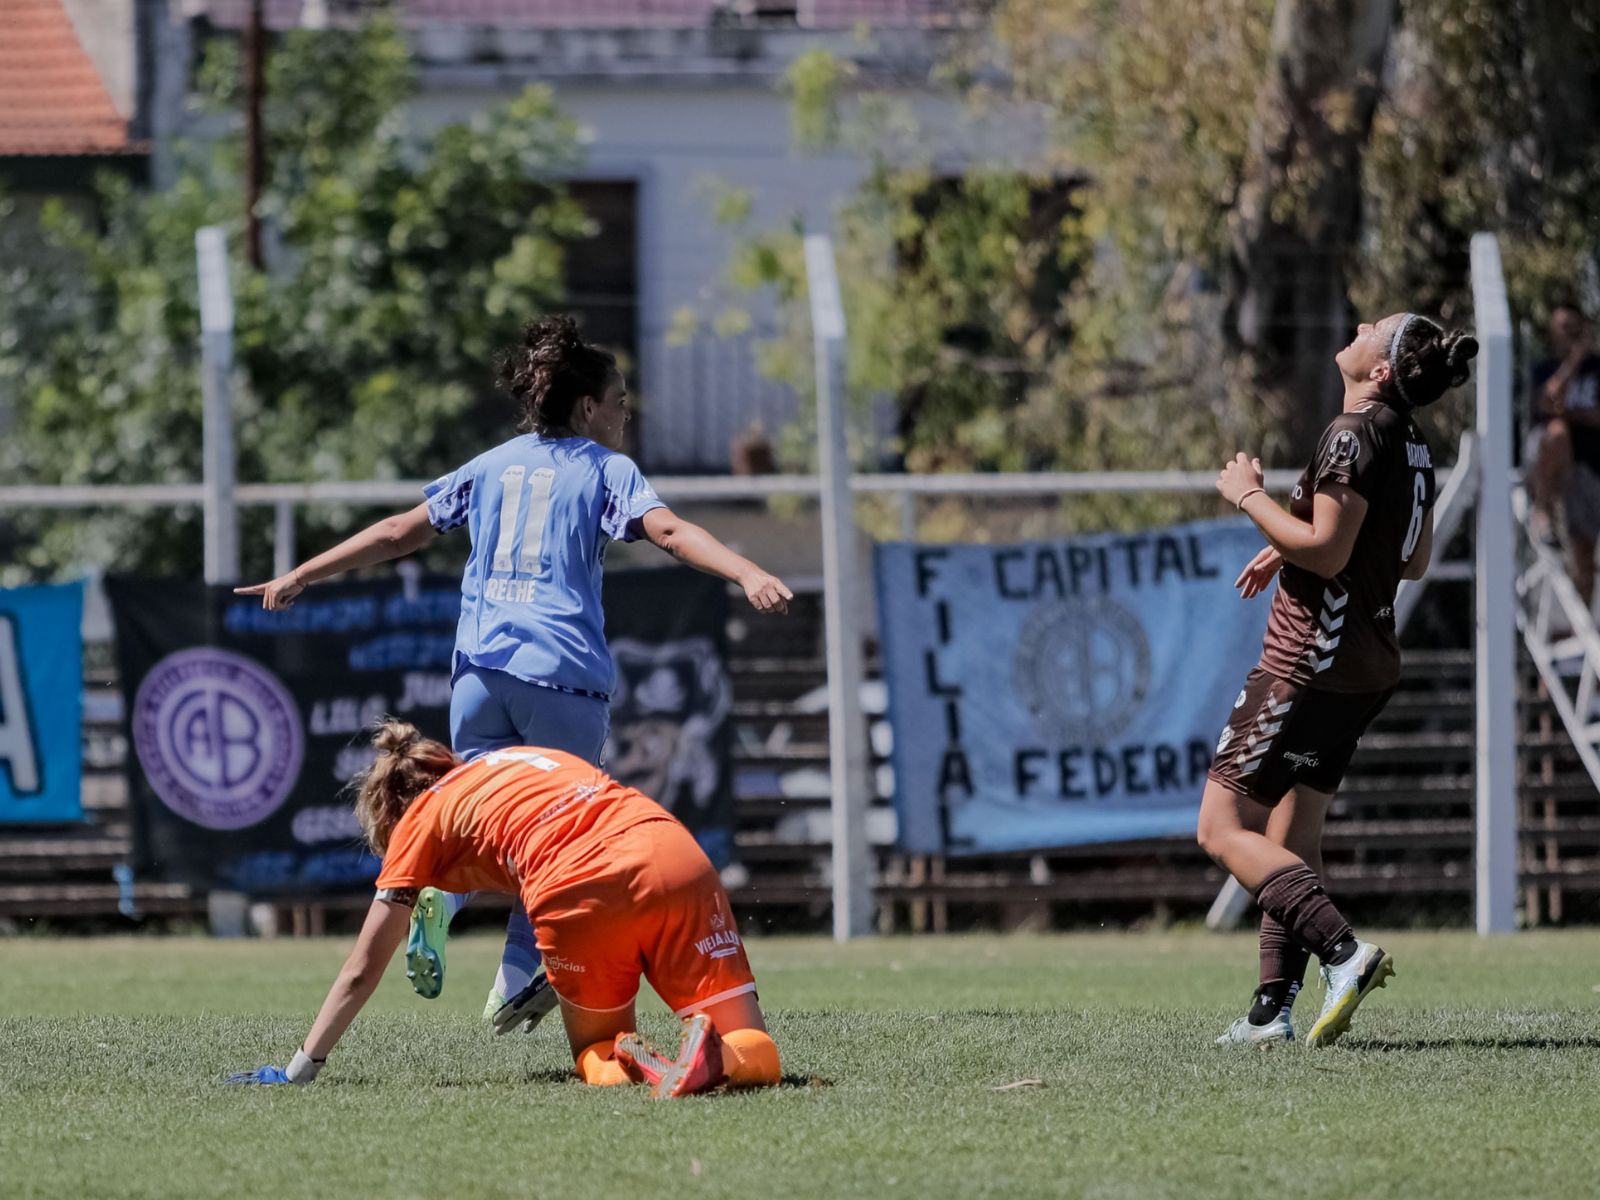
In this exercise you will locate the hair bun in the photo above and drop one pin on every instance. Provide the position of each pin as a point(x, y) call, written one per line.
point(395, 737)
point(552, 339)
point(550, 369)
point(1459, 350)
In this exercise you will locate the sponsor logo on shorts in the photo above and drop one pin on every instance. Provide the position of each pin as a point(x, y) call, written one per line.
point(721, 944)
point(1302, 762)
point(1386, 613)
point(554, 962)
point(718, 921)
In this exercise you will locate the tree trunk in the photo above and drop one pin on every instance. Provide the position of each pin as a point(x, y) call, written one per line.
point(1299, 207)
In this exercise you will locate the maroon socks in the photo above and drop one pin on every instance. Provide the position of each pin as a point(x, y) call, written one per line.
point(1294, 900)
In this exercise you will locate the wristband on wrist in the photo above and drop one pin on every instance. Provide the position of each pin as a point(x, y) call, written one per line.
point(1255, 491)
point(303, 1068)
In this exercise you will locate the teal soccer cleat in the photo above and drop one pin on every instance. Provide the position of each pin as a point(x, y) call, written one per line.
point(1348, 985)
point(430, 925)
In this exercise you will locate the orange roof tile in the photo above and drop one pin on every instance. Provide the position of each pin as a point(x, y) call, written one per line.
point(52, 101)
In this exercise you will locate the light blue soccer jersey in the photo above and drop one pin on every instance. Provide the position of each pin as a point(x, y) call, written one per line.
point(540, 512)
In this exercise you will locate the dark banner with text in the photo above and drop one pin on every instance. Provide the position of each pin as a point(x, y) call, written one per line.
point(1060, 693)
point(244, 725)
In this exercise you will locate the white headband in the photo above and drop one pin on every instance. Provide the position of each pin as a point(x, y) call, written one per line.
point(1394, 351)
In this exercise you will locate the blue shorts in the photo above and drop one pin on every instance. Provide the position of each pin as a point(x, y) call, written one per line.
point(490, 710)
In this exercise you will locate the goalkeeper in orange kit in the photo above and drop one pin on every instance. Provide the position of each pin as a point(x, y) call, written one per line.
point(615, 885)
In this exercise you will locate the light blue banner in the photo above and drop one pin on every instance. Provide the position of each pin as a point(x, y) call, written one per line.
point(41, 703)
point(1057, 693)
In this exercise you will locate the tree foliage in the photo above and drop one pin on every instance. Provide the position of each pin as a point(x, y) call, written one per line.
point(398, 266)
point(1200, 161)
point(1492, 121)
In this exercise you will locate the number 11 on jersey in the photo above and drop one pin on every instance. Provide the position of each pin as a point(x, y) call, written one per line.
point(531, 525)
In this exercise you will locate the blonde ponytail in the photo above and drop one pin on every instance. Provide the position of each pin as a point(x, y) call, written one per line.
point(407, 765)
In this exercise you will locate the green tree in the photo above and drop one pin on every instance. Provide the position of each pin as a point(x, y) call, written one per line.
point(1047, 317)
point(1245, 178)
point(1492, 122)
point(364, 351)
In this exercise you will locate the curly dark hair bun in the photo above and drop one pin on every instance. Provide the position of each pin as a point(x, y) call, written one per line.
point(550, 370)
point(1430, 362)
point(1459, 351)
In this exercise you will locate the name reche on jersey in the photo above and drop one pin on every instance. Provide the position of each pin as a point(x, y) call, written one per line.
point(511, 591)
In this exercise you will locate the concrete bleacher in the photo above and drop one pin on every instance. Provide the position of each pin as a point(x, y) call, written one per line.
point(1400, 838)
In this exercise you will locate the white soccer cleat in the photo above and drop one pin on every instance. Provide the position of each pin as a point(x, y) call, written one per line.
point(526, 1009)
point(1348, 985)
point(493, 1004)
point(1275, 1032)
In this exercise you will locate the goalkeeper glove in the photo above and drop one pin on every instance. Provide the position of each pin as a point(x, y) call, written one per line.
point(302, 1068)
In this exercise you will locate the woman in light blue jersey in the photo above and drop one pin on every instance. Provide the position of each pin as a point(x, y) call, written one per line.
point(531, 665)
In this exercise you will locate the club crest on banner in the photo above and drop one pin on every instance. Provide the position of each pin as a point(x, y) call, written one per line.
point(1060, 692)
point(219, 737)
point(1082, 668)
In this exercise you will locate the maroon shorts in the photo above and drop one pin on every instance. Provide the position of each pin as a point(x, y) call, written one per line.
point(1282, 734)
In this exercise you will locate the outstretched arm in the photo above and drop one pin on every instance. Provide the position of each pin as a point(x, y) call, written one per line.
point(392, 537)
point(689, 543)
point(381, 934)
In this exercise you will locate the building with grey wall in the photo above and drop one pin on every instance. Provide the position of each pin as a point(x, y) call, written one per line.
point(676, 99)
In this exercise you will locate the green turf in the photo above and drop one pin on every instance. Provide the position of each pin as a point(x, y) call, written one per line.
point(1476, 1074)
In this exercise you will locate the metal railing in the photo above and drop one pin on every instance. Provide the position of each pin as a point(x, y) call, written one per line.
point(1545, 593)
point(285, 498)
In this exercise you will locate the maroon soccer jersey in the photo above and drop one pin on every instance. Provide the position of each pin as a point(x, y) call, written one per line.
point(1338, 634)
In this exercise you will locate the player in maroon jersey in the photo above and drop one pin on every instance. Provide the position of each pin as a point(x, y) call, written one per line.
point(1360, 520)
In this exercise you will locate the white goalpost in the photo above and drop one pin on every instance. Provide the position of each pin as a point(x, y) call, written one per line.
point(1495, 644)
point(841, 600)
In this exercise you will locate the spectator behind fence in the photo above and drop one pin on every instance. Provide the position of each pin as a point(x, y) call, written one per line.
point(1562, 459)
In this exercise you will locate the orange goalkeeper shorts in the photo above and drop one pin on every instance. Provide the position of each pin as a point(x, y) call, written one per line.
point(646, 901)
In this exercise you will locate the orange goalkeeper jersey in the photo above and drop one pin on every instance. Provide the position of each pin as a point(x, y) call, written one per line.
point(513, 820)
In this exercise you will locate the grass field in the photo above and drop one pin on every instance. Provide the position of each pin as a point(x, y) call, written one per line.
point(1476, 1074)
